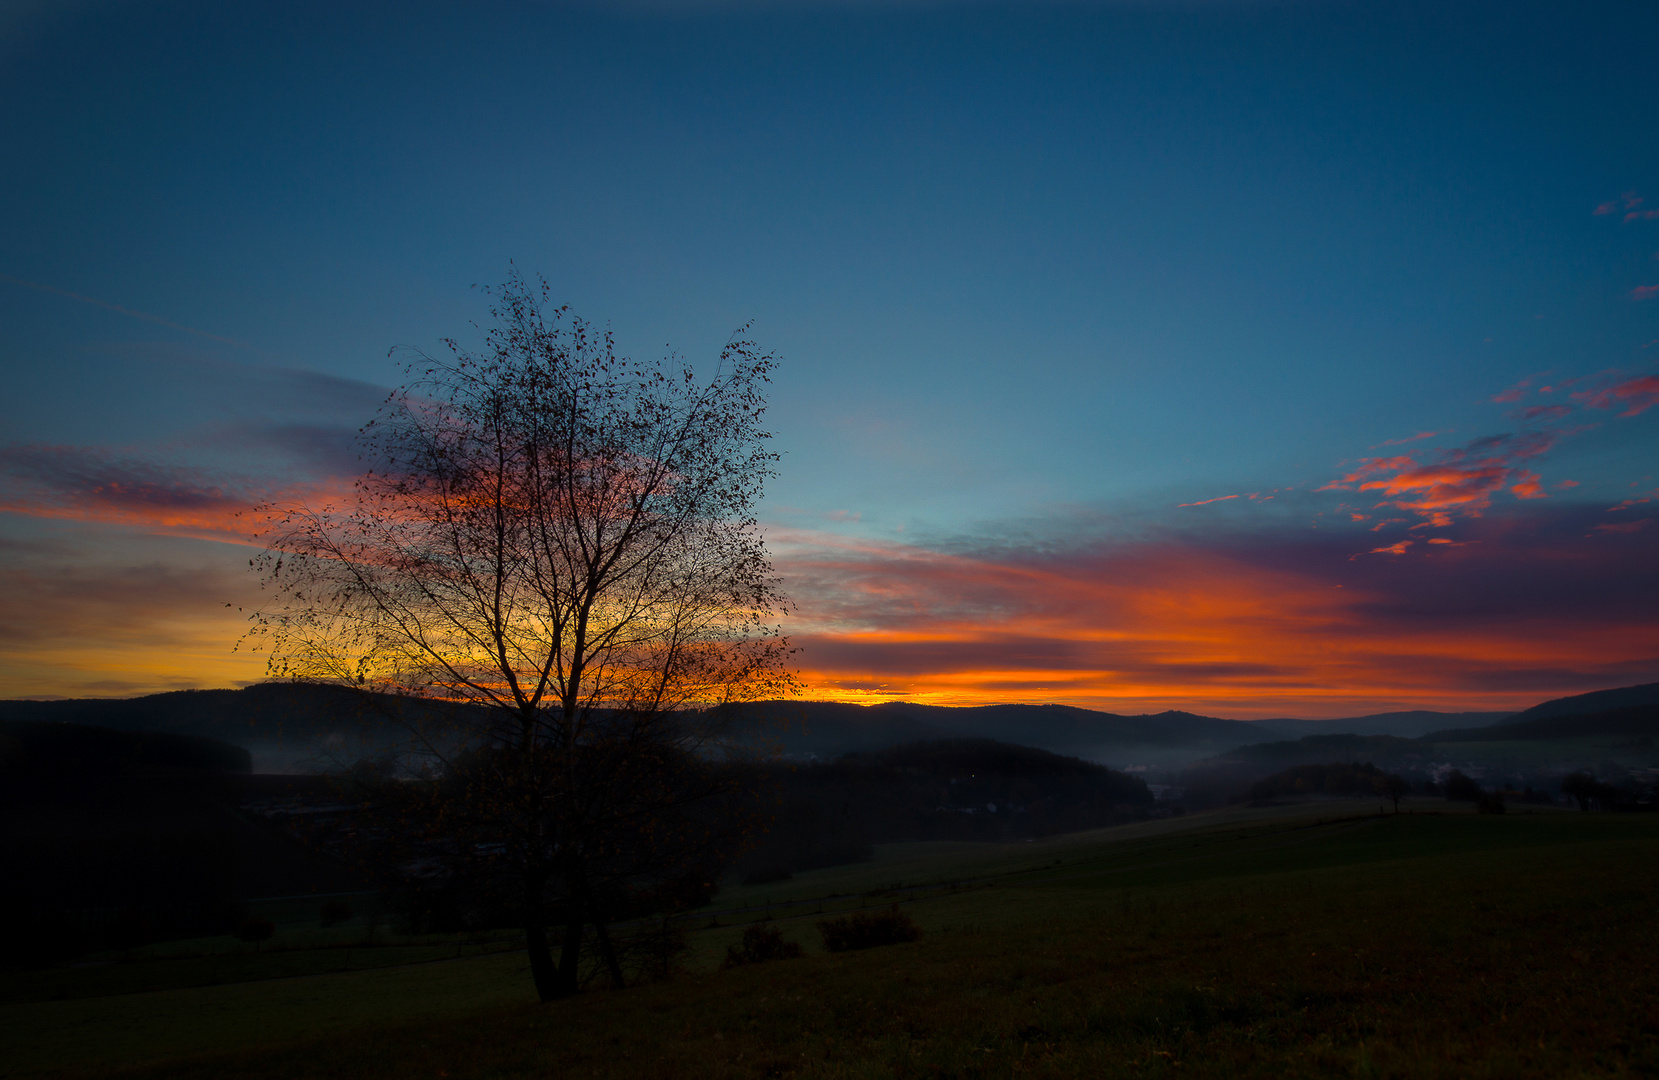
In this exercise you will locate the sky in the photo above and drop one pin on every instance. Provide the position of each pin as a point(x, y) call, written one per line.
point(1255, 359)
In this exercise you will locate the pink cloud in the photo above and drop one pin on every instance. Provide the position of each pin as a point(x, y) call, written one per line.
point(1644, 292)
point(1544, 412)
point(1642, 215)
point(1206, 502)
point(1639, 394)
point(1624, 527)
point(1606, 208)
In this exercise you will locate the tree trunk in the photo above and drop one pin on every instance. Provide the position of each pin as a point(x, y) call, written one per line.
point(609, 953)
point(571, 952)
point(535, 943)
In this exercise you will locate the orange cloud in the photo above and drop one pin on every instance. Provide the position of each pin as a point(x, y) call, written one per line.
point(1206, 502)
point(1530, 486)
point(1248, 626)
point(1460, 481)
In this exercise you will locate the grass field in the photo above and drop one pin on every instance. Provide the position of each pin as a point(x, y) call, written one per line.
point(1314, 940)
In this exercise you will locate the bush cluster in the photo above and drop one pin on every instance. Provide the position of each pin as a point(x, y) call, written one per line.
point(867, 929)
point(761, 942)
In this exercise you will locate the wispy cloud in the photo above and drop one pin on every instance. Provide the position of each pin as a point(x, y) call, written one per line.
point(1637, 394)
point(1421, 435)
point(98, 484)
point(1628, 201)
point(1623, 526)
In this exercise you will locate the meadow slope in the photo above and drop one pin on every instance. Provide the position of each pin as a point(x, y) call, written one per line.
point(1313, 940)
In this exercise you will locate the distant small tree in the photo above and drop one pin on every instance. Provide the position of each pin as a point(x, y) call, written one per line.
point(1585, 789)
point(1461, 788)
point(1395, 786)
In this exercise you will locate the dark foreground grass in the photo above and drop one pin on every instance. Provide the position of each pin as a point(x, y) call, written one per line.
point(1418, 946)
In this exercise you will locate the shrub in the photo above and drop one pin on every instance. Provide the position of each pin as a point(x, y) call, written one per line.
point(761, 942)
point(1490, 802)
point(334, 912)
point(256, 928)
point(867, 929)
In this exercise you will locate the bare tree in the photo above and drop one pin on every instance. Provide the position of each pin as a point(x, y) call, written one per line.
point(559, 543)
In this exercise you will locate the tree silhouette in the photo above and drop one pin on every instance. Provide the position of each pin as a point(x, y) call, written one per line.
point(559, 543)
point(1585, 789)
point(1394, 786)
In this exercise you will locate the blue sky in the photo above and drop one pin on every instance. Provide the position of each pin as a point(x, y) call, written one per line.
point(1039, 273)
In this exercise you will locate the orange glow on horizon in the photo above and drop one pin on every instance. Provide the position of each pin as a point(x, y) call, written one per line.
point(1170, 627)
point(1132, 629)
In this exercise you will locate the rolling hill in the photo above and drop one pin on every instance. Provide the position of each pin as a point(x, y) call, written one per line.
point(296, 728)
point(1597, 701)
